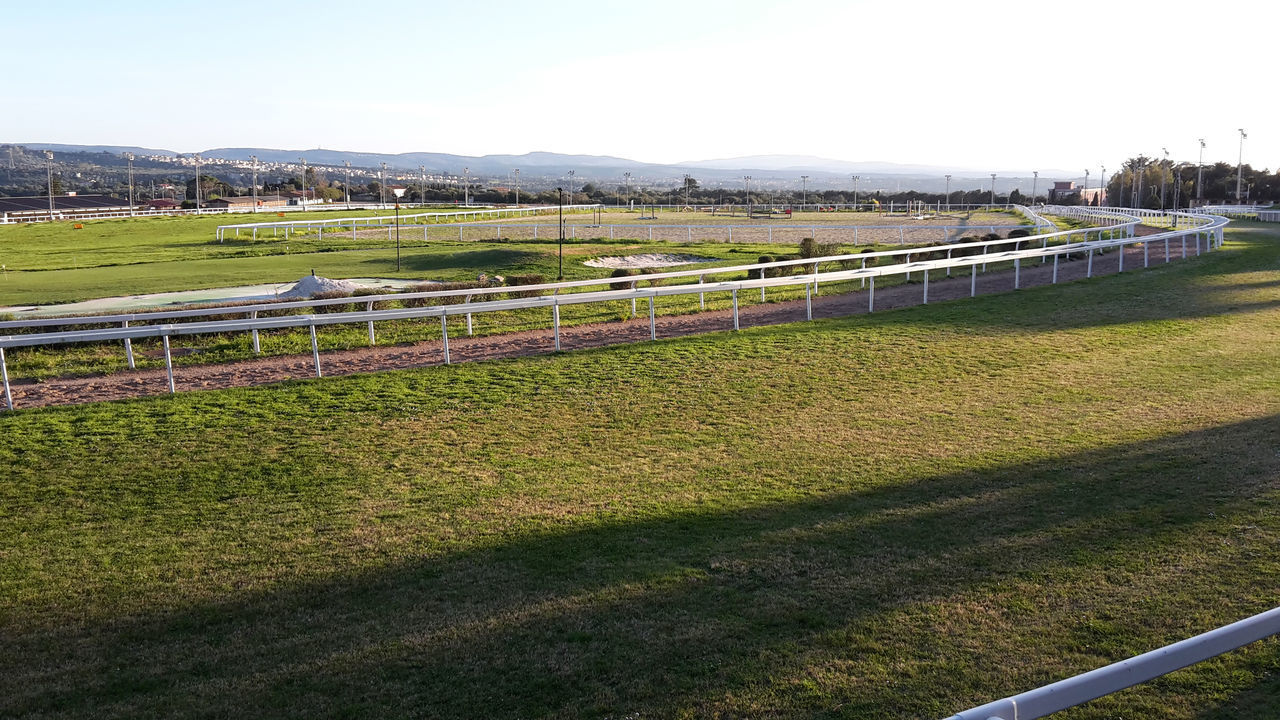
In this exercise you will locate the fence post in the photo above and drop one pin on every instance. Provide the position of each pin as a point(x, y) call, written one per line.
point(555, 320)
point(1121, 258)
point(257, 347)
point(128, 347)
point(735, 308)
point(871, 297)
point(168, 364)
point(808, 301)
point(926, 287)
point(315, 350)
point(1017, 273)
point(1088, 273)
point(4, 371)
point(1184, 247)
point(702, 297)
point(653, 328)
point(973, 280)
point(1146, 254)
point(1054, 281)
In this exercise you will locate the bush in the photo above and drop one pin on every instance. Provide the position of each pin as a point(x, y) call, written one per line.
point(621, 273)
point(365, 292)
point(528, 279)
point(331, 295)
point(1019, 233)
point(764, 272)
point(811, 248)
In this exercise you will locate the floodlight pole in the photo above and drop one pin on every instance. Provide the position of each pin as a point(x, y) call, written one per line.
point(804, 191)
point(560, 194)
point(197, 183)
point(948, 196)
point(1035, 183)
point(129, 157)
point(747, 178)
point(466, 186)
point(517, 172)
point(254, 158)
point(48, 157)
point(422, 185)
point(399, 193)
point(346, 189)
point(382, 187)
point(627, 177)
point(1102, 185)
point(1085, 195)
point(1240, 165)
point(1164, 170)
point(855, 192)
point(993, 188)
point(304, 180)
point(1200, 173)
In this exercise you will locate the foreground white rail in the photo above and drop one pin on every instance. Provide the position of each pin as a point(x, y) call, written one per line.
point(1127, 673)
point(1207, 232)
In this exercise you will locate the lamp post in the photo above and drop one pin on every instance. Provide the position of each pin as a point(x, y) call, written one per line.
point(382, 187)
point(1102, 184)
point(1164, 171)
point(948, 196)
point(1240, 165)
point(747, 178)
point(346, 189)
point(570, 188)
point(466, 186)
point(129, 156)
point(399, 193)
point(1035, 182)
point(48, 157)
point(627, 178)
point(804, 191)
point(304, 179)
point(517, 173)
point(197, 183)
point(560, 195)
point(422, 185)
point(254, 158)
point(993, 188)
point(1200, 173)
point(687, 178)
point(855, 192)
point(1085, 194)
point(1137, 195)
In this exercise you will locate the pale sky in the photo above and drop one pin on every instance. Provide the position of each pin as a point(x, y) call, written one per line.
point(996, 85)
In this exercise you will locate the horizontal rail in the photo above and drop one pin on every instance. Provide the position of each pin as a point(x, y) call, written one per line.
point(404, 218)
point(1094, 684)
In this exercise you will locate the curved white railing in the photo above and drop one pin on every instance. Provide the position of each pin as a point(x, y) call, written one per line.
point(1208, 231)
point(1126, 673)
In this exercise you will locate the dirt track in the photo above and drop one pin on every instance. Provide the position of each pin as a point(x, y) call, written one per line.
point(66, 391)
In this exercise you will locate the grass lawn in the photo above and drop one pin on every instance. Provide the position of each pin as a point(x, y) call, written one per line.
point(893, 516)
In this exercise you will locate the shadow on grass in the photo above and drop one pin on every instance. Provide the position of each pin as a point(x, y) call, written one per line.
point(679, 613)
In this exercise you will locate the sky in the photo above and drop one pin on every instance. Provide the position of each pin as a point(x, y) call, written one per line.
point(998, 86)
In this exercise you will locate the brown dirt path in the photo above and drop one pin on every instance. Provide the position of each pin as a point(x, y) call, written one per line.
point(259, 371)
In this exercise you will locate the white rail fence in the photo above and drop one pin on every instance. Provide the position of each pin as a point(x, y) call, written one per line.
point(352, 223)
point(1082, 688)
point(1202, 230)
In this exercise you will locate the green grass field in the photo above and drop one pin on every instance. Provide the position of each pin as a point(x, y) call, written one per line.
point(893, 516)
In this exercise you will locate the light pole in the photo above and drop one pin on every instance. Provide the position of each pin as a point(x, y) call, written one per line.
point(1102, 184)
point(129, 156)
point(1200, 173)
point(560, 195)
point(399, 193)
point(1164, 171)
point(48, 157)
point(949, 193)
point(993, 188)
point(855, 192)
point(304, 179)
point(517, 172)
point(747, 178)
point(1035, 182)
point(466, 186)
point(687, 178)
point(1240, 165)
point(1137, 195)
point(382, 187)
point(346, 189)
point(197, 183)
point(254, 158)
point(1085, 194)
point(804, 191)
point(422, 185)
point(627, 178)
point(570, 189)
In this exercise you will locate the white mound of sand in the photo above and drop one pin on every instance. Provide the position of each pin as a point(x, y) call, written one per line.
point(648, 260)
point(312, 285)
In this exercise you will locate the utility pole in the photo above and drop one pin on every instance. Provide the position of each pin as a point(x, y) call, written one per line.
point(254, 158)
point(804, 191)
point(382, 187)
point(422, 187)
point(1035, 182)
point(687, 178)
point(747, 178)
point(304, 180)
point(627, 177)
point(993, 188)
point(1200, 173)
point(1102, 187)
point(346, 189)
point(517, 172)
point(466, 186)
point(560, 193)
point(129, 156)
point(949, 193)
point(855, 192)
point(48, 157)
point(1240, 165)
point(1085, 195)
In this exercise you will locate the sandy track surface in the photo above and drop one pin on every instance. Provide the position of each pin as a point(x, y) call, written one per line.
point(259, 371)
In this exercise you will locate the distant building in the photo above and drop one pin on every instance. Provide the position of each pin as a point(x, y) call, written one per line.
point(64, 206)
point(1065, 191)
point(246, 202)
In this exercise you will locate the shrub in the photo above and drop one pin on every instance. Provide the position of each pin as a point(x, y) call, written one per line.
point(811, 248)
point(764, 272)
point(331, 295)
point(528, 279)
point(1019, 233)
point(367, 291)
point(621, 273)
